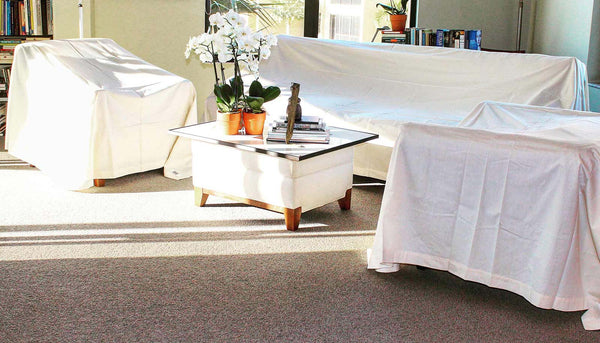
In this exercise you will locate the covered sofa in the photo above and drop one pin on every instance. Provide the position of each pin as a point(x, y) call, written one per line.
point(377, 87)
point(88, 109)
point(509, 198)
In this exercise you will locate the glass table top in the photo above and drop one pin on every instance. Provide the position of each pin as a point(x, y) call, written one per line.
point(339, 139)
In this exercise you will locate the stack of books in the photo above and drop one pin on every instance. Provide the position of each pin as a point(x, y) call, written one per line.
point(310, 129)
point(395, 37)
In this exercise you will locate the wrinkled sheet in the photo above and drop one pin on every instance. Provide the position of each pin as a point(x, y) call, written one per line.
point(88, 109)
point(377, 87)
point(510, 199)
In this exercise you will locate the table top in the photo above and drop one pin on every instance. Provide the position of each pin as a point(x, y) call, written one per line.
point(339, 139)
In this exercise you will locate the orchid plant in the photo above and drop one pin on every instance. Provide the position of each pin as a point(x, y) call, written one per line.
point(394, 8)
point(230, 40)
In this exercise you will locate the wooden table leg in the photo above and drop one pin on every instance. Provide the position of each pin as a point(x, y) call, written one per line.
point(346, 201)
point(292, 218)
point(99, 182)
point(200, 197)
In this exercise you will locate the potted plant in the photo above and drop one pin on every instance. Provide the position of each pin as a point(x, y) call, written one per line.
point(230, 40)
point(254, 113)
point(397, 12)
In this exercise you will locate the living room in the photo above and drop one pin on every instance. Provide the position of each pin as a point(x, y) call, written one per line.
point(137, 260)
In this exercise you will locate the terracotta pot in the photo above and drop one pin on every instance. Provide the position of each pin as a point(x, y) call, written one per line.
point(254, 122)
point(398, 22)
point(228, 123)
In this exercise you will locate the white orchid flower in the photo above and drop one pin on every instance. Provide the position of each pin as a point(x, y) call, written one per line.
point(206, 38)
point(242, 21)
point(265, 52)
point(231, 39)
point(216, 19)
point(243, 32)
point(206, 57)
point(247, 45)
point(243, 57)
point(251, 66)
point(232, 18)
point(226, 30)
point(225, 56)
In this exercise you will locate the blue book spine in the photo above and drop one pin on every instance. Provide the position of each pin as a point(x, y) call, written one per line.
point(474, 39)
point(8, 19)
point(439, 37)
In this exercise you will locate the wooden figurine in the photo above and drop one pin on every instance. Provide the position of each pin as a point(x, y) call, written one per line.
point(291, 111)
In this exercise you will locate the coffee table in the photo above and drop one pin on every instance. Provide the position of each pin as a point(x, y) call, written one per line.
point(285, 178)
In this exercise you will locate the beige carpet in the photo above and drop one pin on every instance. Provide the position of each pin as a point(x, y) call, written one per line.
point(136, 261)
point(5, 158)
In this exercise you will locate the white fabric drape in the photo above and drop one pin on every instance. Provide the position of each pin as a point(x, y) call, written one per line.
point(88, 109)
point(378, 87)
point(511, 199)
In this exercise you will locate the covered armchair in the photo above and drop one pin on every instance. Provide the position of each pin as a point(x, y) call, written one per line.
point(88, 109)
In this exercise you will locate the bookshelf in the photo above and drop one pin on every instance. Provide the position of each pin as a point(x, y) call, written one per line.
point(460, 39)
point(20, 21)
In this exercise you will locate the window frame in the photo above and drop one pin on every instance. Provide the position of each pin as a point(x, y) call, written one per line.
point(311, 16)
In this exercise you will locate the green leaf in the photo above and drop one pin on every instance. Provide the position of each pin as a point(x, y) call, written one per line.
point(223, 107)
point(256, 89)
point(227, 93)
point(225, 97)
point(217, 91)
point(255, 103)
point(390, 9)
point(271, 93)
point(237, 84)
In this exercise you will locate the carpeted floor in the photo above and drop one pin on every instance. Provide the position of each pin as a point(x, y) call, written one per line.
point(5, 158)
point(136, 261)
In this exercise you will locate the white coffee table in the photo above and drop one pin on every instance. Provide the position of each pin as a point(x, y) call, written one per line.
point(286, 178)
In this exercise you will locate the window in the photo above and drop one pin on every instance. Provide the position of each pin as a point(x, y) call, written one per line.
point(345, 20)
point(354, 20)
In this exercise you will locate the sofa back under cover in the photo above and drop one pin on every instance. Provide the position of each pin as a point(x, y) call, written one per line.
point(377, 87)
point(425, 79)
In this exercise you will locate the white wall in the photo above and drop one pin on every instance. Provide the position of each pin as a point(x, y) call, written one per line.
point(593, 62)
point(563, 27)
point(569, 28)
point(155, 30)
point(66, 18)
point(497, 19)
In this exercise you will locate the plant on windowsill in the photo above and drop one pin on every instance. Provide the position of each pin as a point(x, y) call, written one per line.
point(254, 113)
point(397, 12)
point(230, 40)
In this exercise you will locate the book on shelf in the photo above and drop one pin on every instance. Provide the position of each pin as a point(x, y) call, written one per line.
point(5, 76)
point(6, 58)
point(473, 37)
point(455, 38)
point(26, 17)
point(2, 118)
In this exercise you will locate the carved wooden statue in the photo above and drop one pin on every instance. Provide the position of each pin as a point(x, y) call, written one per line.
point(292, 107)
